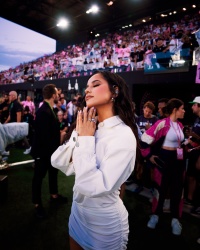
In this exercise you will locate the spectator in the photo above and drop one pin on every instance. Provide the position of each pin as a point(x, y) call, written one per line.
point(193, 173)
point(58, 107)
point(148, 56)
point(186, 52)
point(46, 141)
point(140, 58)
point(30, 104)
point(59, 92)
point(133, 58)
point(29, 118)
point(161, 111)
point(163, 141)
point(71, 108)
point(63, 126)
point(147, 119)
point(62, 95)
point(4, 108)
point(162, 55)
point(63, 103)
point(15, 114)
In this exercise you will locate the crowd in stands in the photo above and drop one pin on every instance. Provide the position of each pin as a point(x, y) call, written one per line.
point(133, 49)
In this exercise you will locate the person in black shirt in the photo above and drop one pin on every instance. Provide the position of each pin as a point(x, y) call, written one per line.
point(162, 102)
point(29, 118)
point(15, 108)
point(15, 114)
point(58, 107)
point(63, 126)
point(140, 57)
point(46, 141)
point(4, 111)
point(133, 58)
point(186, 52)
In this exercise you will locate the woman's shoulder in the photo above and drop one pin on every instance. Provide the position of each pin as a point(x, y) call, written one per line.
point(125, 134)
point(165, 121)
point(159, 124)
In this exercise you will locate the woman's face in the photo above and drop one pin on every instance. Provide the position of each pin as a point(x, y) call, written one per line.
point(180, 112)
point(98, 92)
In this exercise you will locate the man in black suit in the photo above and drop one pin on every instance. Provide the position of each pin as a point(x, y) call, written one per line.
point(46, 141)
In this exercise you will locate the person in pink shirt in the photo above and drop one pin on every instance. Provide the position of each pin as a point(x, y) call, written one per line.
point(30, 104)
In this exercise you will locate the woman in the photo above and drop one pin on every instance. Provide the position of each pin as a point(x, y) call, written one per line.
point(103, 159)
point(161, 144)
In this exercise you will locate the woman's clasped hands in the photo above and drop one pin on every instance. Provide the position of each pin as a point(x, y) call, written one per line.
point(86, 122)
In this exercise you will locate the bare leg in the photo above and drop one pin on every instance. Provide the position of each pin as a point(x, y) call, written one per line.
point(74, 245)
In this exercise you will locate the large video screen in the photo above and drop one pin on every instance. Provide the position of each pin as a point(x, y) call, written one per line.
point(160, 62)
point(21, 45)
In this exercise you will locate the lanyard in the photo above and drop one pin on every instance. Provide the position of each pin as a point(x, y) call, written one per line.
point(178, 134)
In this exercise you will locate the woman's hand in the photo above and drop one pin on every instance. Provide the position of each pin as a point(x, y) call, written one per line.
point(86, 122)
point(152, 159)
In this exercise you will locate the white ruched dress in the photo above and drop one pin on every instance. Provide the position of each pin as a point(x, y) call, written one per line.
point(102, 163)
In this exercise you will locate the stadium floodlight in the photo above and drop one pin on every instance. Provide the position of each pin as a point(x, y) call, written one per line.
point(110, 3)
point(93, 9)
point(63, 23)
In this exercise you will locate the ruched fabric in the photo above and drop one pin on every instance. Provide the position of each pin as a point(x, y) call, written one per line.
point(100, 228)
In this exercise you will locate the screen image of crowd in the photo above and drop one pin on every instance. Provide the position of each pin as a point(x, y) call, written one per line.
point(154, 48)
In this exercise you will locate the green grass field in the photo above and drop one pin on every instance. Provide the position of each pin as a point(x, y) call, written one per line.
point(20, 230)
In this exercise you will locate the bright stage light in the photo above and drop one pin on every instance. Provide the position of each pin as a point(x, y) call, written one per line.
point(63, 23)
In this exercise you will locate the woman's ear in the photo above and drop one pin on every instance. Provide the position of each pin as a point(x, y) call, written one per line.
point(116, 91)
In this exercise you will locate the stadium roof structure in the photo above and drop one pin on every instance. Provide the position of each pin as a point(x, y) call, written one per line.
point(43, 15)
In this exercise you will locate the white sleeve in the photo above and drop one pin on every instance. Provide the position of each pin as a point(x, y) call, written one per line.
point(116, 163)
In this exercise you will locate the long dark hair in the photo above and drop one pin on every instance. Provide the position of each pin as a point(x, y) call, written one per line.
point(123, 104)
point(123, 107)
point(172, 104)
